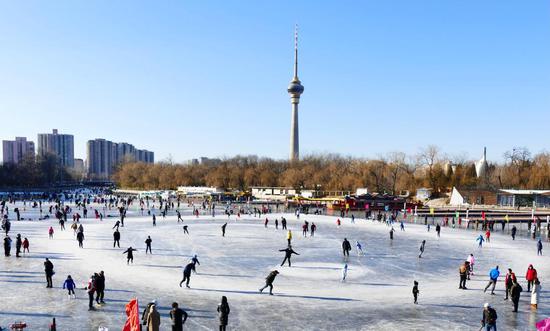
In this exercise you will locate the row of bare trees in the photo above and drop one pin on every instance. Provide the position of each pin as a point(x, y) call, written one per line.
point(393, 173)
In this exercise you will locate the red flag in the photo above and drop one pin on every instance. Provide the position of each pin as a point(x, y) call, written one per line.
point(132, 311)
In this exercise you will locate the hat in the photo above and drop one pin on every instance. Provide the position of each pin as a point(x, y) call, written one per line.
point(486, 305)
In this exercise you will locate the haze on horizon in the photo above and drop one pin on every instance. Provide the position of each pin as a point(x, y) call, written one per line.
point(191, 79)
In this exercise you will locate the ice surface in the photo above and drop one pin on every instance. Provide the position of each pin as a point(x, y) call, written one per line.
point(308, 296)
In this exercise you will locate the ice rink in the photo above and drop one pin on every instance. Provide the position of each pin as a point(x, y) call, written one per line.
point(308, 296)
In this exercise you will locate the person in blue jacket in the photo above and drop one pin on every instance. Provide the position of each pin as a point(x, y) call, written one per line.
point(70, 285)
point(481, 240)
point(493, 277)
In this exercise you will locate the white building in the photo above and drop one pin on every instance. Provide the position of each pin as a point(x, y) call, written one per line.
point(272, 193)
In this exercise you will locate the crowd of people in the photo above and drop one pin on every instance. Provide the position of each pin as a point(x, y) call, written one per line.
point(151, 319)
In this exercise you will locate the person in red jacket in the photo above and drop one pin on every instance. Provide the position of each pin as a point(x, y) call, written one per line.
point(488, 236)
point(530, 276)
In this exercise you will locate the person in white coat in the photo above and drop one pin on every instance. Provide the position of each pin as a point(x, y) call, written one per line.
point(535, 293)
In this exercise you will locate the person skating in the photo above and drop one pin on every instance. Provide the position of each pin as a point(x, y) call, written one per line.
point(70, 286)
point(402, 225)
point(187, 274)
point(130, 257)
point(514, 230)
point(489, 318)
point(178, 317)
point(116, 238)
point(488, 236)
point(539, 247)
point(289, 237)
point(18, 244)
point(493, 277)
point(515, 293)
point(90, 289)
point(346, 247)
point(100, 287)
point(223, 229)
point(288, 253)
point(48, 270)
point(50, 232)
point(422, 247)
point(283, 223)
point(313, 229)
point(344, 272)
point(269, 281)
point(415, 292)
point(508, 282)
point(463, 272)
point(148, 242)
point(359, 248)
point(535, 293)
point(153, 319)
point(154, 220)
point(481, 240)
point(391, 233)
point(80, 239)
point(223, 313)
point(195, 261)
point(530, 276)
point(438, 230)
point(472, 261)
point(179, 216)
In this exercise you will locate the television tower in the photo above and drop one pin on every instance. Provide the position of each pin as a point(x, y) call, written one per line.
point(295, 89)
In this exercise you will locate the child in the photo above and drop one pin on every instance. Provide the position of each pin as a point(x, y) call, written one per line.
point(415, 292)
point(50, 232)
point(70, 285)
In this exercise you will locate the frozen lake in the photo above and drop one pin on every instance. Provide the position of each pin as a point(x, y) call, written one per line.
point(308, 296)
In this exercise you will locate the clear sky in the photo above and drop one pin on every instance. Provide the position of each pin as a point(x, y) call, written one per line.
point(209, 78)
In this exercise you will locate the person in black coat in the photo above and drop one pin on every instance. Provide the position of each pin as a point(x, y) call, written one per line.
point(7, 246)
point(223, 312)
point(269, 281)
point(100, 287)
point(178, 317)
point(80, 238)
point(346, 247)
point(187, 274)
point(288, 253)
point(130, 256)
point(48, 270)
point(515, 292)
point(116, 238)
point(148, 242)
point(18, 243)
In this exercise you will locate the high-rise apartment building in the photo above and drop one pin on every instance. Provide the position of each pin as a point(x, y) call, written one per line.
point(103, 156)
point(14, 150)
point(60, 145)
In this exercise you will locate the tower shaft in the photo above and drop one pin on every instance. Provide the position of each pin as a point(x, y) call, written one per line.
point(294, 134)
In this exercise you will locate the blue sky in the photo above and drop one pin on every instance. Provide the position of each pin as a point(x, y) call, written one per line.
point(209, 78)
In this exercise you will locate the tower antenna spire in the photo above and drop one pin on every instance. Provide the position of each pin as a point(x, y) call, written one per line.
point(296, 52)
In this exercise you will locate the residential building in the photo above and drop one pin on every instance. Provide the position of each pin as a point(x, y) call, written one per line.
point(14, 150)
point(60, 145)
point(103, 156)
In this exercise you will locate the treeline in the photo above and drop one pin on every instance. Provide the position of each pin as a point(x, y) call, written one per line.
point(392, 173)
point(39, 171)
